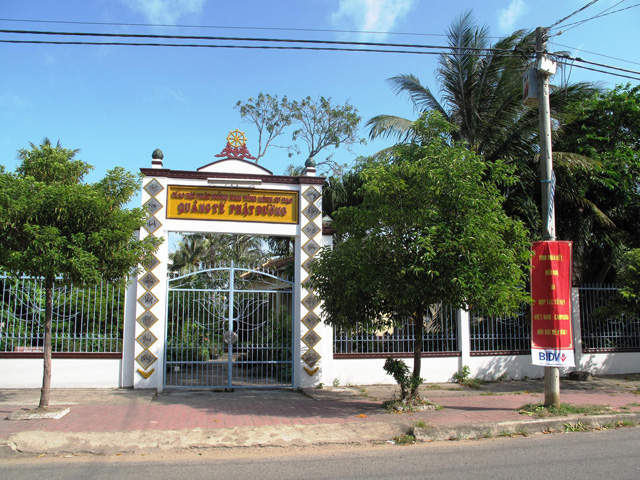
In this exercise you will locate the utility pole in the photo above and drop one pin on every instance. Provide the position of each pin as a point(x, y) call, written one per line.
point(547, 182)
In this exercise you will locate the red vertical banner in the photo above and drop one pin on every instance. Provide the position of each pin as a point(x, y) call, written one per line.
point(551, 333)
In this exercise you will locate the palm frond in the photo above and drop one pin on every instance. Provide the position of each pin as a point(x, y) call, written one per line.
point(390, 126)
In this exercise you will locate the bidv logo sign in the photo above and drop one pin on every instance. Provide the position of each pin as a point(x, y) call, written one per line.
point(552, 357)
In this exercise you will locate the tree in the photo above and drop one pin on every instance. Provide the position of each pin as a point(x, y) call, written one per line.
point(53, 225)
point(603, 224)
point(481, 94)
point(430, 230)
point(209, 249)
point(318, 124)
point(270, 115)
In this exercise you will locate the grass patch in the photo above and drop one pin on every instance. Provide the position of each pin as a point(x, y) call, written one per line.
point(405, 440)
point(421, 424)
point(542, 411)
point(473, 383)
point(577, 427)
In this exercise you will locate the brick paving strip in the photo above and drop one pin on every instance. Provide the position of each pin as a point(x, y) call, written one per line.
point(276, 417)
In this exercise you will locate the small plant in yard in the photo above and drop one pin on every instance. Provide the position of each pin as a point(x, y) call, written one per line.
point(541, 411)
point(404, 378)
point(421, 424)
point(462, 375)
point(463, 378)
point(336, 382)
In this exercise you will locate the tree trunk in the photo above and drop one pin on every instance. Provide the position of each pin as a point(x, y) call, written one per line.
point(418, 330)
point(48, 314)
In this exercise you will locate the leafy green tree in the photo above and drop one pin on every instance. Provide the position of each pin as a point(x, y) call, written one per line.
point(603, 224)
point(430, 230)
point(629, 278)
point(52, 224)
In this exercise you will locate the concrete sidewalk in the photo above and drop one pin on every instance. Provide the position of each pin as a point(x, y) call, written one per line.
point(114, 421)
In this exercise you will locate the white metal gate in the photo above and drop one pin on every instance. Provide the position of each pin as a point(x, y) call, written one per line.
point(229, 327)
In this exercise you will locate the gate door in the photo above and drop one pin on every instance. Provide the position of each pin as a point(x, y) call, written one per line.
point(229, 327)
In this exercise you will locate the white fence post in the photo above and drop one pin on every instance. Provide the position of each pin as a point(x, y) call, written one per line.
point(464, 337)
point(576, 326)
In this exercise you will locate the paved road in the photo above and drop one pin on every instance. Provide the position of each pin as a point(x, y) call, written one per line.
point(602, 454)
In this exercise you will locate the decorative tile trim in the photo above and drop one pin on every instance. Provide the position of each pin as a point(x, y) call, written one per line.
point(311, 339)
point(146, 359)
point(311, 247)
point(154, 187)
point(311, 372)
point(311, 229)
point(146, 375)
point(148, 300)
point(146, 339)
point(311, 194)
point(311, 211)
point(153, 205)
point(311, 320)
point(311, 301)
point(147, 320)
point(311, 357)
point(308, 264)
point(152, 224)
point(149, 280)
point(151, 264)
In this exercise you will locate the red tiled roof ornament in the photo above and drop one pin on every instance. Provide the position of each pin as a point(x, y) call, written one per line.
point(236, 146)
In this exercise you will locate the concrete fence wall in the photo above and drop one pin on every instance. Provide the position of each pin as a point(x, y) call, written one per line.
point(87, 372)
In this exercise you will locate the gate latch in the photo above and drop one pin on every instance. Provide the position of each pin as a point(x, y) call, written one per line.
point(230, 338)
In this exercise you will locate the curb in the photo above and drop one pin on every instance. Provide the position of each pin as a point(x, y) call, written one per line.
point(7, 449)
point(525, 427)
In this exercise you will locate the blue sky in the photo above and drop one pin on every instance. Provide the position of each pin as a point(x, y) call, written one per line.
point(117, 104)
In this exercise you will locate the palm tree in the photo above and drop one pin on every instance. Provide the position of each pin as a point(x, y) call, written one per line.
point(192, 250)
point(481, 91)
point(481, 95)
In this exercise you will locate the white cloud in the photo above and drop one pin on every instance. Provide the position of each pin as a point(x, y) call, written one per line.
point(165, 11)
point(371, 15)
point(509, 16)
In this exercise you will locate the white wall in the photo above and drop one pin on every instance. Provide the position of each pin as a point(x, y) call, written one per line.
point(369, 371)
point(65, 373)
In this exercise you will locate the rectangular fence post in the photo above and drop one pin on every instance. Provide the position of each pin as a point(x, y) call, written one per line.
point(129, 333)
point(464, 337)
point(576, 324)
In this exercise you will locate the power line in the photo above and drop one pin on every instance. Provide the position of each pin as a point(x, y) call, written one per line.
point(597, 70)
point(248, 47)
point(601, 14)
point(249, 39)
point(598, 54)
point(221, 27)
point(578, 59)
point(574, 13)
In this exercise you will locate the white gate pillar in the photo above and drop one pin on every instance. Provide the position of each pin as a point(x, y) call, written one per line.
point(308, 361)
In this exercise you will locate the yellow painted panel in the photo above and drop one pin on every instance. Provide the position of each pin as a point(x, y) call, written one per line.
point(232, 204)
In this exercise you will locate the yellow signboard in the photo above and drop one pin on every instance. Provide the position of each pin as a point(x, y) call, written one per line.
point(232, 204)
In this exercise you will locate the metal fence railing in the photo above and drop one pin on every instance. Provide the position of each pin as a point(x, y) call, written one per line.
point(85, 320)
point(500, 333)
point(440, 336)
point(606, 324)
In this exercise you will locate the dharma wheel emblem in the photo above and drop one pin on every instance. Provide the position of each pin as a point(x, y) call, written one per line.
point(236, 146)
point(236, 139)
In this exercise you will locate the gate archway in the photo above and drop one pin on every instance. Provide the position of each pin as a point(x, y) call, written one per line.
point(228, 196)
